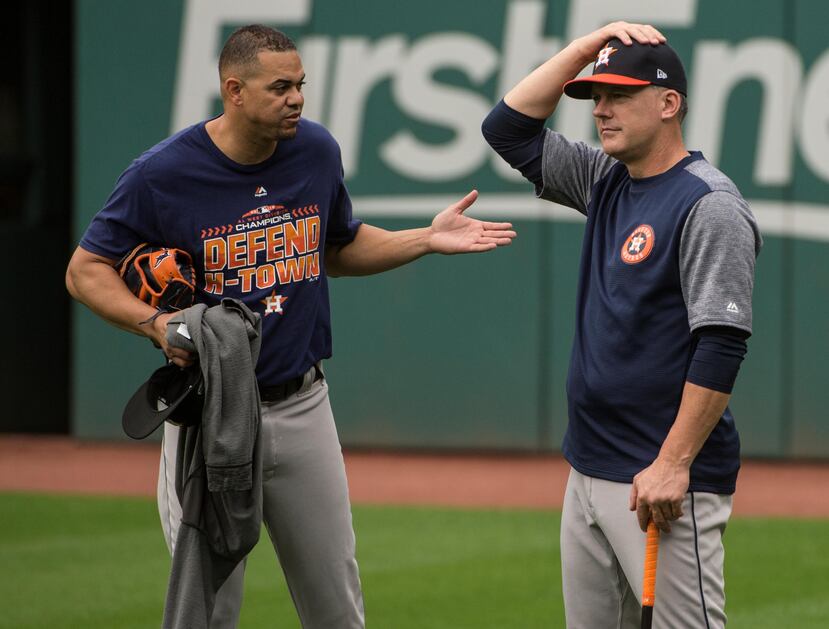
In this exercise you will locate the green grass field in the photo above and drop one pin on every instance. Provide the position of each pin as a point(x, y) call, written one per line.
point(101, 563)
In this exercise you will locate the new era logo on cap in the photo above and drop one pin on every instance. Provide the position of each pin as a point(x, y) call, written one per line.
point(634, 65)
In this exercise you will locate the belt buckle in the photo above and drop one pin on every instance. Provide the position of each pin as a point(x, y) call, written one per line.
point(273, 393)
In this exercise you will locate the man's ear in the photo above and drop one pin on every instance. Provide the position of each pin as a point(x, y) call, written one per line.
point(232, 86)
point(671, 103)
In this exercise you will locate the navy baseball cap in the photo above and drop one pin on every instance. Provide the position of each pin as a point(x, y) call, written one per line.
point(637, 64)
point(171, 394)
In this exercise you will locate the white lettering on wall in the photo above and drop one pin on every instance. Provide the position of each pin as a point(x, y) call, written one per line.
point(344, 71)
point(524, 49)
point(315, 52)
point(361, 65)
point(718, 68)
point(813, 129)
point(420, 96)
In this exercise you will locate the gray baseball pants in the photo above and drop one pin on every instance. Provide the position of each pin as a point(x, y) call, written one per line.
point(305, 508)
point(603, 551)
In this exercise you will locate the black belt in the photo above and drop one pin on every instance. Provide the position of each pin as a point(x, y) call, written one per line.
point(283, 390)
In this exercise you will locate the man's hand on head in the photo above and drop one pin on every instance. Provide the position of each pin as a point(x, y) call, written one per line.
point(626, 32)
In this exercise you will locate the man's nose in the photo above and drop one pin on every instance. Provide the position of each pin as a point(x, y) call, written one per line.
point(295, 98)
point(600, 109)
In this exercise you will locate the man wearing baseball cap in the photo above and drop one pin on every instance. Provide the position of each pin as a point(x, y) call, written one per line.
point(662, 317)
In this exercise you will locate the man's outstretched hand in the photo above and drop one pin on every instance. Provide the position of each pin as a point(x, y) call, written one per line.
point(454, 232)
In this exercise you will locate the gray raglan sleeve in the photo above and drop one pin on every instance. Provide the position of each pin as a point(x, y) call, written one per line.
point(569, 170)
point(720, 242)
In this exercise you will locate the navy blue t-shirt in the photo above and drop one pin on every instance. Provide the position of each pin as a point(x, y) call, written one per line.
point(633, 345)
point(256, 232)
point(661, 257)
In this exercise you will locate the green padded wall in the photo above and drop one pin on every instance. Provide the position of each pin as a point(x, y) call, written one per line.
point(472, 352)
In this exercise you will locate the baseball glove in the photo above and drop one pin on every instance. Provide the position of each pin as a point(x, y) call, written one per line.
point(160, 276)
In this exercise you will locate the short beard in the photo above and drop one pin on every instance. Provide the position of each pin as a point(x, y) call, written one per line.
point(287, 134)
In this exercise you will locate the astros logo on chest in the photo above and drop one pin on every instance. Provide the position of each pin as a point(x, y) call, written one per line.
point(638, 245)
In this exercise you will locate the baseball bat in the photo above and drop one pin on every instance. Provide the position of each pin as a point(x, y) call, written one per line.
point(649, 580)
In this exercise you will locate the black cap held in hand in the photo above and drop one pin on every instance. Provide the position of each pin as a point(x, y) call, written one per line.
point(637, 64)
point(171, 394)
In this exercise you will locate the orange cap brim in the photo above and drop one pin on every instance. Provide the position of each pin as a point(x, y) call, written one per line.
point(582, 88)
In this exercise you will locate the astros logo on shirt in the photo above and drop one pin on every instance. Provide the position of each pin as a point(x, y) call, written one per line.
point(638, 245)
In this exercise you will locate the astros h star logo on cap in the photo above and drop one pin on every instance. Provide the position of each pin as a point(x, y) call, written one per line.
point(603, 57)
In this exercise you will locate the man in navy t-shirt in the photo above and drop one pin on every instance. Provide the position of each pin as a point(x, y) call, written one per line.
point(256, 196)
point(663, 314)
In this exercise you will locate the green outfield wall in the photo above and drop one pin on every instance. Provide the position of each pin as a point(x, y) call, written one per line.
point(471, 352)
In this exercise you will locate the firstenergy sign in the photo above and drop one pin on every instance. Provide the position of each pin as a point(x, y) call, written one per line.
point(344, 70)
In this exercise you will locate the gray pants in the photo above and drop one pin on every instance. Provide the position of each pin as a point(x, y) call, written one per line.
point(603, 550)
point(305, 509)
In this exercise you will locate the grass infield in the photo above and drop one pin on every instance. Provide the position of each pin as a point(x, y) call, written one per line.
point(92, 563)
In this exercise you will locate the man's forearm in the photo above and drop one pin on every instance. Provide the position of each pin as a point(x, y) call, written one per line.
point(658, 490)
point(95, 283)
point(699, 412)
point(538, 94)
point(376, 250)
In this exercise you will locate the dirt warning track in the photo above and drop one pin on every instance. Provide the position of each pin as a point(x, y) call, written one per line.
point(65, 465)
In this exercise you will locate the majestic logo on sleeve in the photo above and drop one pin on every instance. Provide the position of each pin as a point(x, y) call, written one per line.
point(268, 248)
point(604, 56)
point(639, 245)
